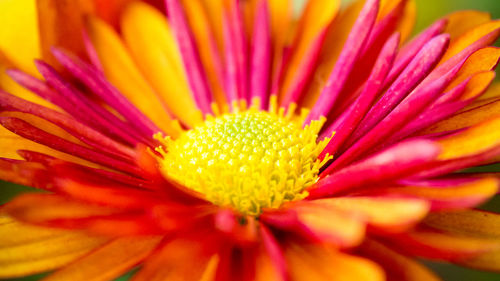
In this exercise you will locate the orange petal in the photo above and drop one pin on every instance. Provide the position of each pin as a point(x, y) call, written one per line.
point(177, 261)
point(60, 24)
point(462, 21)
point(109, 261)
point(334, 41)
point(483, 60)
point(389, 214)
point(265, 270)
point(397, 266)
point(329, 224)
point(474, 140)
point(40, 208)
point(450, 197)
point(438, 245)
point(122, 72)
point(209, 54)
point(215, 11)
point(27, 249)
point(407, 23)
point(474, 223)
point(317, 16)
point(492, 92)
point(316, 263)
point(281, 21)
point(19, 38)
point(474, 116)
point(469, 37)
point(150, 40)
point(488, 261)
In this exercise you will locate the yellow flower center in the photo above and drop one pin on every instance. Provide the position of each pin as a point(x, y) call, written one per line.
point(248, 160)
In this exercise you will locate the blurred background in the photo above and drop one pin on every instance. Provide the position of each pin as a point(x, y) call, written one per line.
point(428, 11)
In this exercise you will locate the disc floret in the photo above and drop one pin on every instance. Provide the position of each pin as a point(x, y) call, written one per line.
point(249, 160)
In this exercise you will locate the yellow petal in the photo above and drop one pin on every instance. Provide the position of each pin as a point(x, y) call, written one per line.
point(109, 261)
point(151, 42)
point(19, 38)
point(122, 72)
point(11, 87)
point(26, 249)
point(462, 21)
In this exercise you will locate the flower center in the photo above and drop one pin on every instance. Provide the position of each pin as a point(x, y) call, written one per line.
point(248, 160)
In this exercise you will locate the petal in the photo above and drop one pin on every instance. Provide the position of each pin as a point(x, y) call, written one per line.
point(462, 21)
point(396, 162)
point(41, 208)
point(31, 132)
point(436, 245)
point(60, 23)
point(473, 223)
point(482, 60)
point(474, 116)
point(386, 214)
point(397, 266)
point(270, 263)
point(488, 261)
point(195, 73)
point(318, 222)
point(476, 139)
point(405, 26)
point(317, 15)
point(7, 84)
point(179, 260)
point(150, 40)
point(335, 38)
point(26, 249)
point(315, 263)
point(122, 72)
point(468, 38)
point(345, 64)
point(210, 56)
point(20, 41)
point(109, 261)
point(451, 196)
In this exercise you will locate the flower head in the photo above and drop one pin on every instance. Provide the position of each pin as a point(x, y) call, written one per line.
point(224, 140)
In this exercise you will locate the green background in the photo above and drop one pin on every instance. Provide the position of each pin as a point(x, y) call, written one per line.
point(428, 11)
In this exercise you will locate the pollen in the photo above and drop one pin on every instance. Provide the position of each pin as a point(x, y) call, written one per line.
point(248, 160)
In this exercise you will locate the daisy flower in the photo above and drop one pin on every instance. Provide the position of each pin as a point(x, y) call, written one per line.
point(228, 140)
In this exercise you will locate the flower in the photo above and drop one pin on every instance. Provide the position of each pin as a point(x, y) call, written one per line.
point(222, 143)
